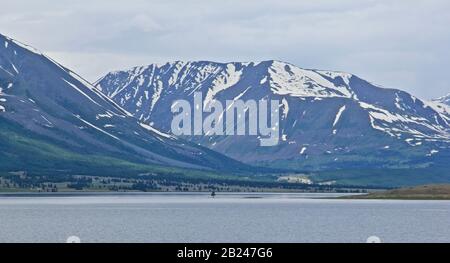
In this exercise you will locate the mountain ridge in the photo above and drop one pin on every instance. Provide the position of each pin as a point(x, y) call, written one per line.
point(41, 99)
point(352, 109)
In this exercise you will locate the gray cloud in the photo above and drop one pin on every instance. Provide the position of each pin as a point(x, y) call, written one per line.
point(399, 44)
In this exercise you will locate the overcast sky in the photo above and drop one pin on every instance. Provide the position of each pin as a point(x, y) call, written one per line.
point(397, 44)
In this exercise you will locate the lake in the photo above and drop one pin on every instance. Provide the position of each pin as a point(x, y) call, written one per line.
point(196, 217)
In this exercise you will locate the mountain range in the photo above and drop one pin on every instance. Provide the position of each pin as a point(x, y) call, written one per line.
point(334, 126)
point(54, 121)
point(329, 120)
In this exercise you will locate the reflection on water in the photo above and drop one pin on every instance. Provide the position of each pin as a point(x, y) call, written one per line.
point(195, 217)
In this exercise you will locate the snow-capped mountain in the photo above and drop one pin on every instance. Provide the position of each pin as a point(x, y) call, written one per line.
point(48, 112)
point(444, 100)
point(328, 119)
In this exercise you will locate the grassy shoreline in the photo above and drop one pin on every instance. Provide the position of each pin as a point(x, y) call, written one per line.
point(22, 182)
point(423, 192)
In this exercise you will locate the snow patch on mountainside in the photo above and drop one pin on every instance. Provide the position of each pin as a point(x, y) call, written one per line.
point(2, 108)
point(442, 109)
point(96, 128)
point(225, 80)
point(107, 114)
point(398, 102)
point(303, 150)
point(156, 94)
point(335, 74)
point(15, 69)
point(178, 66)
point(396, 124)
point(150, 128)
point(285, 108)
point(338, 115)
point(287, 79)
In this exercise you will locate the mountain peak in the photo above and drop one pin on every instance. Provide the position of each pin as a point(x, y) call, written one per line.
point(43, 101)
point(7, 40)
point(326, 115)
point(288, 79)
point(284, 78)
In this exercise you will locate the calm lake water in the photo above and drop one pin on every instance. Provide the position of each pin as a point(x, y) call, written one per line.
point(226, 218)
